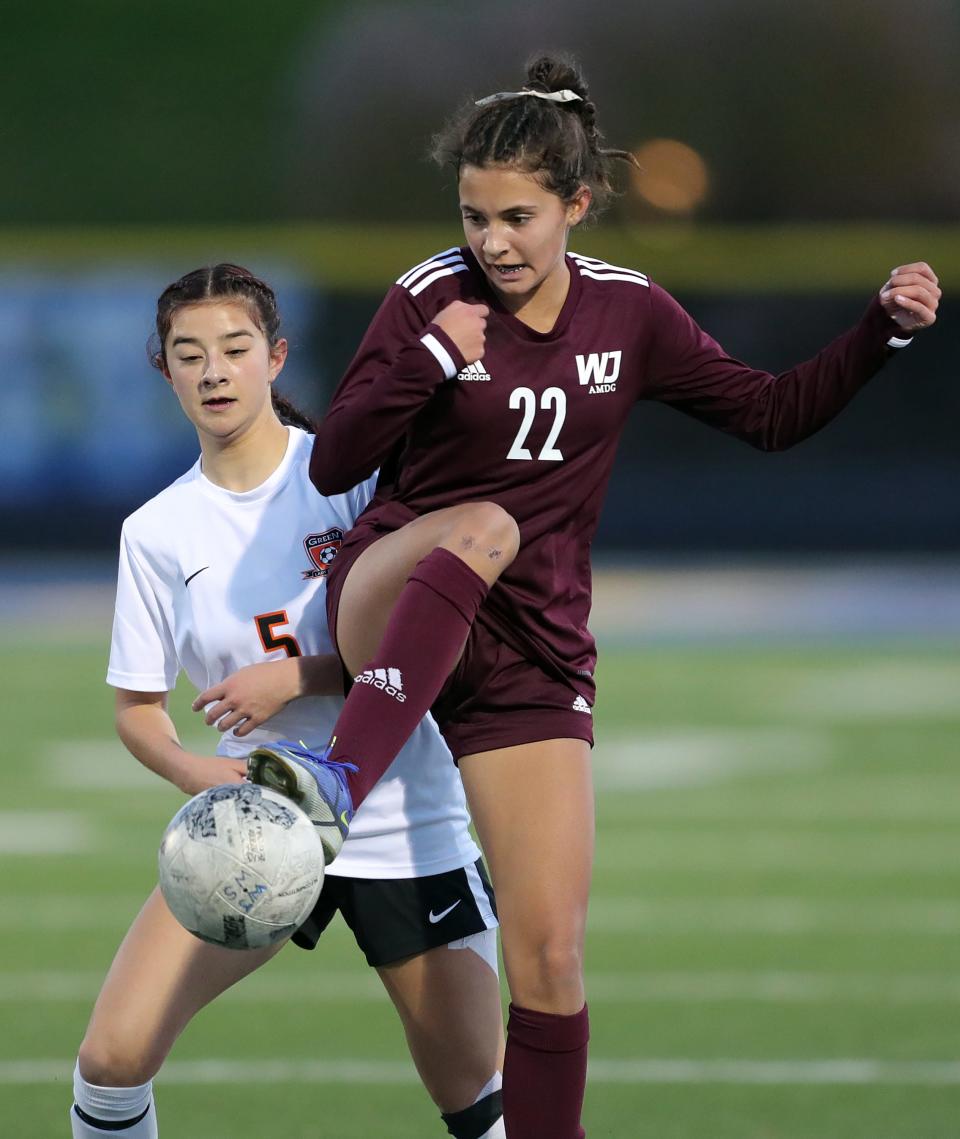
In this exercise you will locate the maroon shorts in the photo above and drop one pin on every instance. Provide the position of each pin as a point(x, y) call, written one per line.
point(496, 697)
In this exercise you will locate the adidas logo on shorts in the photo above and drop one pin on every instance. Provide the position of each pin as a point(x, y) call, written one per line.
point(580, 705)
point(387, 680)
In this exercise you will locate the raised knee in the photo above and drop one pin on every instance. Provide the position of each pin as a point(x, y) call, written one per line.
point(487, 528)
point(112, 1064)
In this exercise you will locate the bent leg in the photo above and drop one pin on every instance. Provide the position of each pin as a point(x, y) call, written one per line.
point(160, 978)
point(449, 1002)
point(404, 614)
point(480, 534)
point(533, 809)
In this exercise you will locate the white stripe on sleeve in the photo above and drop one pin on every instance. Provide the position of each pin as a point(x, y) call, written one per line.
point(440, 354)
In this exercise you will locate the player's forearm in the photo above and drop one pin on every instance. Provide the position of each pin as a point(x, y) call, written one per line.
point(810, 395)
point(690, 371)
point(149, 735)
point(256, 693)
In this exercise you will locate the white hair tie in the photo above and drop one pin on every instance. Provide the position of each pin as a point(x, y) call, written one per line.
point(564, 96)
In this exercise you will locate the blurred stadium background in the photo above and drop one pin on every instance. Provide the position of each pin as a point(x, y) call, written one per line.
point(773, 950)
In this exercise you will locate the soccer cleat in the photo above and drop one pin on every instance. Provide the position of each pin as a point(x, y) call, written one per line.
point(309, 778)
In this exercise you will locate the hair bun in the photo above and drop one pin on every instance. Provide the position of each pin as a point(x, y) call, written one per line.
point(555, 73)
point(558, 142)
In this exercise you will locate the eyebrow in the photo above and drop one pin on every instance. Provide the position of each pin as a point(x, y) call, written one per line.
point(519, 209)
point(194, 340)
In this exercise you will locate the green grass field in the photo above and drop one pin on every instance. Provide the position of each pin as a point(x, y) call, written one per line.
point(774, 946)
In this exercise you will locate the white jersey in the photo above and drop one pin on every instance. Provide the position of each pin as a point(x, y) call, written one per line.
point(211, 580)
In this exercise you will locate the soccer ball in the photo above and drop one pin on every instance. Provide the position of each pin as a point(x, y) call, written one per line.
point(241, 866)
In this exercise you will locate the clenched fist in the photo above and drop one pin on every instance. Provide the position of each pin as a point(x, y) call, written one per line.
point(911, 296)
point(466, 325)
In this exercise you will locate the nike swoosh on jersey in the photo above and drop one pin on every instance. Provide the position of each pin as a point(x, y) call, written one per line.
point(187, 580)
point(434, 918)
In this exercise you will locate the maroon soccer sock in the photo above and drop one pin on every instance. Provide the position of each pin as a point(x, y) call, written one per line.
point(392, 694)
point(544, 1074)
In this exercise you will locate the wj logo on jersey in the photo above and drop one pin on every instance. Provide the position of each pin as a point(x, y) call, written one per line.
point(387, 680)
point(600, 370)
point(475, 372)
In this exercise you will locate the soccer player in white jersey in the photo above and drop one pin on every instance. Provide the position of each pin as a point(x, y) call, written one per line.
point(223, 575)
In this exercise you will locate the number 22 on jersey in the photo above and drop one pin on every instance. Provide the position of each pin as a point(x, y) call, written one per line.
point(525, 400)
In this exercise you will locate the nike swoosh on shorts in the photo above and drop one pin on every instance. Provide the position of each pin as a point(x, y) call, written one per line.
point(434, 918)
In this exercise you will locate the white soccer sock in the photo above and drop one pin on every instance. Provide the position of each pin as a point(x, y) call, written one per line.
point(497, 1130)
point(113, 1106)
point(494, 1084)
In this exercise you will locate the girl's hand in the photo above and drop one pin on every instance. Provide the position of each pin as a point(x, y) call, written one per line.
point(251, 695)
point(911, 296)
point(466, 325)
point(198, 772)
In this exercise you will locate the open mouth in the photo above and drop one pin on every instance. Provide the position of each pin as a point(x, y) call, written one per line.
point(505, 272)
point(218, 403)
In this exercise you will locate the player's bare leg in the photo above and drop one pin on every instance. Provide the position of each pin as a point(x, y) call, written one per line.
point(159, 980)
point(480, 534)
point(533, 809)
point(405, 610)
point(449, 1002)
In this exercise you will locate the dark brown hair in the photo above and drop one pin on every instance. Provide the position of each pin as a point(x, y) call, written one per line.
point(559, 143)
point(225, 282)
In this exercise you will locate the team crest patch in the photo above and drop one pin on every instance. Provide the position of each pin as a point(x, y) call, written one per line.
point(321, 550)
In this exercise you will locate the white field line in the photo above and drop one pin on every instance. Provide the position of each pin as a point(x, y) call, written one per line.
point(874, 690)
point(682, 756)
point(927, 1073)
point(772, 987)
point(68, 911)
point(104, 765)
point(72, 912)
point(44, 832)
point(668, 757)
point(658, 848)
point(771, 916)
point(931, 799)
point(321, 987)
point(640, 987)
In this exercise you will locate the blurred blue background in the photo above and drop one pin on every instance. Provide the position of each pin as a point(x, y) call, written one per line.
point(792, 155)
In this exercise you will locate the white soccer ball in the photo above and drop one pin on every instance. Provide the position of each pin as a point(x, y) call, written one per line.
point(241, 866)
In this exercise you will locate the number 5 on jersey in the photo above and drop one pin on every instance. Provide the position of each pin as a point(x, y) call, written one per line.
point(526, 399)
point(266, 624)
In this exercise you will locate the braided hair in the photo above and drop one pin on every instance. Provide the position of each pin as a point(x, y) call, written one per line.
point(559, 143)
point(225, 282)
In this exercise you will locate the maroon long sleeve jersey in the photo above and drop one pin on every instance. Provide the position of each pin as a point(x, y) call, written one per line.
point(534, 425)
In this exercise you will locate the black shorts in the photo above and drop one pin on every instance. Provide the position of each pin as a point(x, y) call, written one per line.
point(393, 918)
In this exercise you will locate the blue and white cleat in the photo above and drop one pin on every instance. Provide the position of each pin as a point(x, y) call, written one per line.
point(309, 778)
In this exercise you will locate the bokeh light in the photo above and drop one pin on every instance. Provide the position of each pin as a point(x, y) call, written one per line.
point(672, 176)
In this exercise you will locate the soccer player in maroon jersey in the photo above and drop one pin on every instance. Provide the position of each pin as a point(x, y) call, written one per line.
point(491, 389)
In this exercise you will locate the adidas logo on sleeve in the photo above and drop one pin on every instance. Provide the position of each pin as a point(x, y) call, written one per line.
point(387, 680)
point(580, 705)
